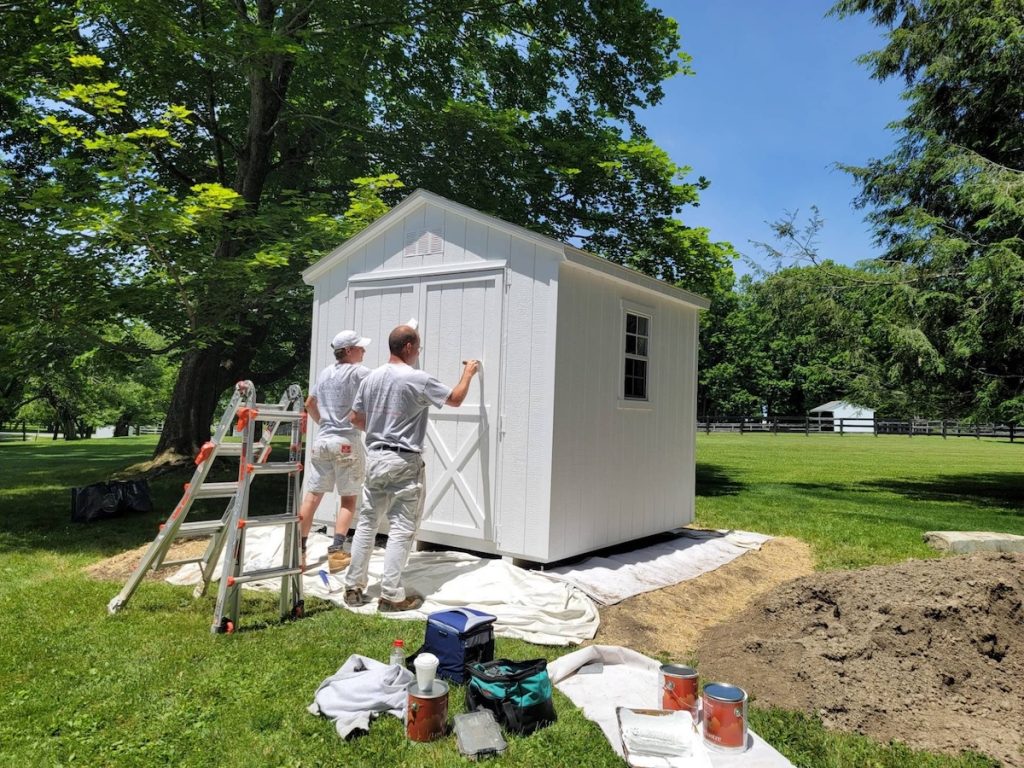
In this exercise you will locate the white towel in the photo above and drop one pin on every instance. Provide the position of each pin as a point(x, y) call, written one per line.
point(360, 691)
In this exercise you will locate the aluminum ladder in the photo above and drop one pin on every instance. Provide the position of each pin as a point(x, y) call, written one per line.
point(227, 535)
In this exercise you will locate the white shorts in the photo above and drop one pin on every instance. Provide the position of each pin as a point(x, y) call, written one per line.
point(336, 464)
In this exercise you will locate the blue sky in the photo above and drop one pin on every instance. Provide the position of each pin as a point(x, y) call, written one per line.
point(777, 99)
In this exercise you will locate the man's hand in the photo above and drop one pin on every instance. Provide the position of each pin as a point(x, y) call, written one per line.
point(472, 367)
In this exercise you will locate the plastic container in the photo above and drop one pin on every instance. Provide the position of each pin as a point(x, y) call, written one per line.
point(397, 653)
point(478, 735)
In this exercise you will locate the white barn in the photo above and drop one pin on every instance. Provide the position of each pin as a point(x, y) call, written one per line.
point(840, 415)
point(579, 431)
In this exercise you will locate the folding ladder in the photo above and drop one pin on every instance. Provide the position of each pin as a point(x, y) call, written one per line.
point(227, 535)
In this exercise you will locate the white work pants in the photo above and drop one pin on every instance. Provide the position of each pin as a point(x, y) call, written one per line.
point(394, 487)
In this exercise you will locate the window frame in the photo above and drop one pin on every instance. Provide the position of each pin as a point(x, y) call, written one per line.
point(647, 313)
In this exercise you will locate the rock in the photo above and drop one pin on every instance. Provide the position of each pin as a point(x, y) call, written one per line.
point(965, 542)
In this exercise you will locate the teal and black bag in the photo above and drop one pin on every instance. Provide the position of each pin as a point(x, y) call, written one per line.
point(518, 693)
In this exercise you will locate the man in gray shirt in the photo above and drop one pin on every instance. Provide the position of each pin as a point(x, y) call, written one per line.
point(337, 460)
point(392, 407)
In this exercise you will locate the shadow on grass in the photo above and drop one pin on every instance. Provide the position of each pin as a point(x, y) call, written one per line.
point(714, 480)
point(993, 489)
point(35, 499)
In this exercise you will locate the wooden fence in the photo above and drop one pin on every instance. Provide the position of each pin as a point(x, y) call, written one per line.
point(875, 426)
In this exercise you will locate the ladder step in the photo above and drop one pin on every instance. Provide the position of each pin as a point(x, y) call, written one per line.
point(267, 573)
point(266, 520)
point(201, 528)
point(215, 490)
point(186, 561)
point(275, 413)
point(229, 449)
point(275, 468)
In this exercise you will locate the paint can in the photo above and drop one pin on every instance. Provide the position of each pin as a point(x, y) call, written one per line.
point(426, 712)
point(679, 688)
point(725, 717)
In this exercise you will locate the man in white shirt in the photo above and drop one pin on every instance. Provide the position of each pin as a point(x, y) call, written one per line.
point(391, 407)
point(337, 460)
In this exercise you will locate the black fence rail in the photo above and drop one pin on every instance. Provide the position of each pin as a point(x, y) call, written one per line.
point(844, 426)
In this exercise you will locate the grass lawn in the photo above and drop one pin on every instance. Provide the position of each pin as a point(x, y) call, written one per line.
point(152, 686)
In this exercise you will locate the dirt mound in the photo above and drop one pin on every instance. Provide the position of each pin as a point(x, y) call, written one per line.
point(667, 622)
point(122, 565)
point(930, 652)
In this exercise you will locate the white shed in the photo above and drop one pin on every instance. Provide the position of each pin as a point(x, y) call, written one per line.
point(579, 431)
point(840, 415)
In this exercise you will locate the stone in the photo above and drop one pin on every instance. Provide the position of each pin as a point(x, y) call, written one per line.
point(965, 542)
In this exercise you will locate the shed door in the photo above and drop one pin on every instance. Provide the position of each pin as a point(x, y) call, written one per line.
point(459, 318)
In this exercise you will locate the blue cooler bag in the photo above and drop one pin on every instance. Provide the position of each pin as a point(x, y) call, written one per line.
point(458, 637)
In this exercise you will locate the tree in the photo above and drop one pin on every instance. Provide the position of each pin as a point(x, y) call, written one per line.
point(948, 203)
point(200, 156)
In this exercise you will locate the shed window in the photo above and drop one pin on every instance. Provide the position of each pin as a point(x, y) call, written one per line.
point(638, 334)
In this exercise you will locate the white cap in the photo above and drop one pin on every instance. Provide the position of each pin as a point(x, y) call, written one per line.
point(347, 339)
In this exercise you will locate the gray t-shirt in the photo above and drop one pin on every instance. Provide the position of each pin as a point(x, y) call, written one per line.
point(395, 399)
point(335, 390)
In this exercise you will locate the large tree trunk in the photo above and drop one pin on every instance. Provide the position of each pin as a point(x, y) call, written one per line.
point(201, 380)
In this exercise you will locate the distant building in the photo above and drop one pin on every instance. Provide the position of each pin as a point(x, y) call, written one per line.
point(855, 418)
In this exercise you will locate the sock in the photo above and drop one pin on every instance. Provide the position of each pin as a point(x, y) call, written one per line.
point(339, 540)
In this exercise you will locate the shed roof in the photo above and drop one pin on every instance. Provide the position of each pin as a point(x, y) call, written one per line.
point(834, 405)
point(558, 249)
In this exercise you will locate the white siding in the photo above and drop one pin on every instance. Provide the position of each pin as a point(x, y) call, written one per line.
point(620, 470)
point(527, 402)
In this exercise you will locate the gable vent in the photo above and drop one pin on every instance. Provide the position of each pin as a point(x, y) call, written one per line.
point(420, 243)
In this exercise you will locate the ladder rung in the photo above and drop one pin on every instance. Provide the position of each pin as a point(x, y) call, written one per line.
point(272, 413)
point(186, 561)
point(200, 528)
point(215, 490)
point(264, 520)
point(229, 449)
point(275, 468)
point(267, 573)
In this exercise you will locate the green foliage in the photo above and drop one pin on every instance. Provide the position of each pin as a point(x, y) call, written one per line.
point(948, 202)
point(187, 164)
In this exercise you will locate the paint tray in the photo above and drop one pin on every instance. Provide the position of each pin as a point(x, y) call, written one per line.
point(478, 735)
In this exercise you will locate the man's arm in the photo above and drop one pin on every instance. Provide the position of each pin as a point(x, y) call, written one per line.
point(461, 389)
point(358, 420)
point(312, 410)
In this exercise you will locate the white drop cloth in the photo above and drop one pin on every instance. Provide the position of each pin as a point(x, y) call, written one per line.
point(528, 605)
point(630, 679)
point(612, 579)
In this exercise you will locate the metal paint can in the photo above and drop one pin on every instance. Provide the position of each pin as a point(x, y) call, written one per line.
point(725, 717)
point(426, 712)
point(679, 688)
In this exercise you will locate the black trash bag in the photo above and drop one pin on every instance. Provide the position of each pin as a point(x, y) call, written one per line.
point(133, 496)
point(101, 501)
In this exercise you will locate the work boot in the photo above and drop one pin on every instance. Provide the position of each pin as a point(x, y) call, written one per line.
point(354, 597)
point(338, 561)
point(411, 603)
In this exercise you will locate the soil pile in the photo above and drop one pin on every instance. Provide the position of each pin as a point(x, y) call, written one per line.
point(668, 622)
point(121, 566)
point(928, 652)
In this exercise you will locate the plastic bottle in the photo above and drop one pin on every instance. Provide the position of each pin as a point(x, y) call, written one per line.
point(397, 653)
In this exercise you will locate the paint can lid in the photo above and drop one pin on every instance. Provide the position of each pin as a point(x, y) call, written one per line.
point(724, 692)
point(678, 670)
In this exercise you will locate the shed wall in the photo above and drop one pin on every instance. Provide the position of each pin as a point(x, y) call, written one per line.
point(430, 237)
point(620, 469)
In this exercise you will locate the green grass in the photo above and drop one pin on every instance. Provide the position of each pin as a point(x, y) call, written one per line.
point(151, 686)
point(859, 500)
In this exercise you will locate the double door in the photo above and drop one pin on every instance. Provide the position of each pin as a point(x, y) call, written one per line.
point(459, 318)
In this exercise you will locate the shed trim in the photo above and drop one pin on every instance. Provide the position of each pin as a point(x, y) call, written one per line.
point(622, 274)
point(437, 269)
point(414, 201)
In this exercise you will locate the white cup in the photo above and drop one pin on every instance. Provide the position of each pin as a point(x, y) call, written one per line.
point(426, 669)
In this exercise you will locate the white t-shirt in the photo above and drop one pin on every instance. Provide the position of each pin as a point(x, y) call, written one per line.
point(395, 399)
point(335, 390)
